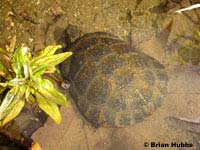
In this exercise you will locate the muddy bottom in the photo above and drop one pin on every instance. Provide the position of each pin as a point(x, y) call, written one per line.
point(75, 133)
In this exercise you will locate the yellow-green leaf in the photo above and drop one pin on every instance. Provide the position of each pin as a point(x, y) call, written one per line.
point(47, 90)
point(5, 59)
point(198, 33)
point(48, 51)
point(50, 69)
point(39, 70)
point(2, 89)
point(31, 98)
point(20, 61)
point(12, 45)
point(54, 59)
point(4, 84)
point(14, 112)
point(3, 51)
point(27, 93)
point(12, 104)
point(53, 94)
point(3, 70)
point(10, 96)
point(49, 61)
point(18, 81)
point(48, 107)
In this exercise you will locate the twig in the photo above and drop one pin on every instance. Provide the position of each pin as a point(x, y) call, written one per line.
point(188, 8)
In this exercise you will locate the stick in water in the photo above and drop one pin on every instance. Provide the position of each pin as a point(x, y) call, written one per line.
point(188, 8)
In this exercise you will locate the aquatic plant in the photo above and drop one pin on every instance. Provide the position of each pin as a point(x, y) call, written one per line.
point(21, 81)
point(198, 33)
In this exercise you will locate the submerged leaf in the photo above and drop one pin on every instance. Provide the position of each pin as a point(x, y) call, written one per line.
point(48, 51)
point(12, 45)
point(51, 69)
point(49, 61)
point(31, 98)
point(55, 59)
point(49, 107)
point(39, 70)
point(27, 92)
point(47, 90)
point(12, 104)
point(4, 52)
point(5, 59)
point(4, 108)
point(4, 85)
point(2, 89)
point(198, 33)
point(16, 109)
point(20, 61)
point(53, 94)
point(3, 71)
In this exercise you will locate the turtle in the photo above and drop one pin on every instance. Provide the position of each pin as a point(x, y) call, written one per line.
point(112, 83)
point(187, 49)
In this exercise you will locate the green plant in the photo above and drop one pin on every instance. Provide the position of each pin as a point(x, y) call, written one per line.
point(21, 77)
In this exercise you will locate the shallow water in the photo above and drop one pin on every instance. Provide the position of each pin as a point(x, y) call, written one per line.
point(144, 24)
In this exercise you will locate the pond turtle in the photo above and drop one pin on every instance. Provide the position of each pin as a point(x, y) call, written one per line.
point(112, 83)
point(187, 49)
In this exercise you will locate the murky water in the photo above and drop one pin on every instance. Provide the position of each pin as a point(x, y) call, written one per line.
point(152, 27)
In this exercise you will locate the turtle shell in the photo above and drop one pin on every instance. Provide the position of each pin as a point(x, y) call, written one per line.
point(112, 84)
point(189, 49)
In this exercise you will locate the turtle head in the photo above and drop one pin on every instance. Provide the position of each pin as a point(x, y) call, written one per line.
point(66, 36)
point(71, 34)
